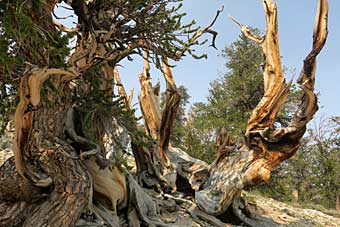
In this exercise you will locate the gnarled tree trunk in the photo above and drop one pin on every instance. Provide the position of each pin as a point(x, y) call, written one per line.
point(61, 177)
point(266, 147)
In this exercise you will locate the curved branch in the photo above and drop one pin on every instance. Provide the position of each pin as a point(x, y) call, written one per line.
point(265, 147)
point(198, 34)
point(306, 81)
point(64, 28)
point(275, 87)
point(246, 31)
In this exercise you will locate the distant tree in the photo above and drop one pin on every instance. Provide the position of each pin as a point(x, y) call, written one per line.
point(324, 186)
point(8, 101)
point(314, 171)
point(234, 95)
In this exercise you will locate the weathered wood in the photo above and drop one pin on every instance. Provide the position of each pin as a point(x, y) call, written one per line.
point(159, 124)
point(52, 157)
point(172, 101)
point(275, 88)
point(193, 170)
point(248, 214)
point(14, 187)
point(109, 182)
point(266, 147)
point(143, 158)
point(71, 190)
point(43, 156)
point(126, 101)
point(15, 214)
point(30, 88)
point(150, 105)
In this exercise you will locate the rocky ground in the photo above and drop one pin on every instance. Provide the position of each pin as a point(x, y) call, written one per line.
point(294, 215)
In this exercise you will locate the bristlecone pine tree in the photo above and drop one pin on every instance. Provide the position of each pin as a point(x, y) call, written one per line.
point(60, 175)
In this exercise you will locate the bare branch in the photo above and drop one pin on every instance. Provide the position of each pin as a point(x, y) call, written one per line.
point(306, 80)
point(198, 34)
point(275, 88)
point(262, 118)
point(64, 28)
point(167, 74)
point(246, 31)
point(121, 90)
point(172, 101)
point(146, 68)
point(149, 102)
point(130, 97)
point(61, 18)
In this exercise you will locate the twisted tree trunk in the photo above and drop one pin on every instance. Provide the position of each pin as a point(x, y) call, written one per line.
point(44, 157)
point(266, 147)
point(61, 177)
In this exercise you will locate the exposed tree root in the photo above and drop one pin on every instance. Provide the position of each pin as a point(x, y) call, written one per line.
point(194, 170)
point(196, 213)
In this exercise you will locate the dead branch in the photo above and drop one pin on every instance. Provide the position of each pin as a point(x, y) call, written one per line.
point(64, 28)
point(172, 101)
point(150, 102)
point(193, 40)
point(275, 88)
point(306, 81)
point(246, 31)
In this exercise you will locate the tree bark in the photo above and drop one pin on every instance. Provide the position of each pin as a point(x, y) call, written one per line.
point(265, 147)
point(59, 173)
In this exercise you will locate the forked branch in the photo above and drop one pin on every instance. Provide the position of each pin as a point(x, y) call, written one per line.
point(263, 117)
point(266, 147)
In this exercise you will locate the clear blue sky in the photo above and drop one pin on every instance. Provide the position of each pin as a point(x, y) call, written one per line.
point(296, 19)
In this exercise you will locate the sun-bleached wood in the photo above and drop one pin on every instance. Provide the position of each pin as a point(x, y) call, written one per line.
point(265, 146)
point(82, 181)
